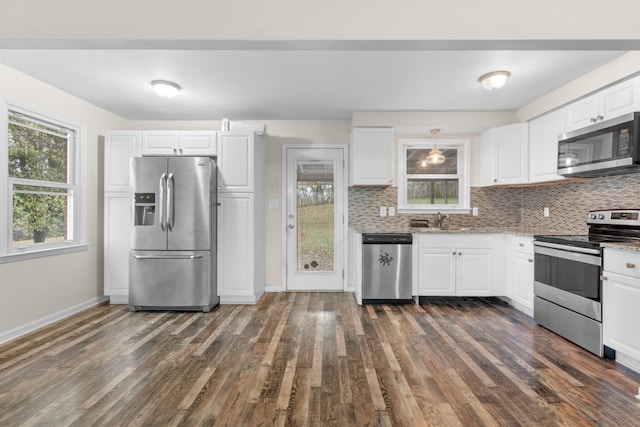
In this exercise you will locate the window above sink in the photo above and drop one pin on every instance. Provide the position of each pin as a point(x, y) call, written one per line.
point(427, 187)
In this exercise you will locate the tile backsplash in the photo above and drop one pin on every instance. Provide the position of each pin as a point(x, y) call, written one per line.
point(568, 204)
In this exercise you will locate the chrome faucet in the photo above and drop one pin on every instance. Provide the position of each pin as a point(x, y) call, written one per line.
point(440, 218)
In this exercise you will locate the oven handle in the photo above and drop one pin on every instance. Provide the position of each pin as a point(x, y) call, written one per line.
point(567, 247)
point(571, 256)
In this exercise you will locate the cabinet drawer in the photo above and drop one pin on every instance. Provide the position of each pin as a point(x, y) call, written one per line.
point(522, 244)
point(622, 262)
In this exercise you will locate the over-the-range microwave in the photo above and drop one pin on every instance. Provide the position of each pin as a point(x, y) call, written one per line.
point(610, 147)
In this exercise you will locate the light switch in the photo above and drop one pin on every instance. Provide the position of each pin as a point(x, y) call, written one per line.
point(392, 211)
point(383, 211)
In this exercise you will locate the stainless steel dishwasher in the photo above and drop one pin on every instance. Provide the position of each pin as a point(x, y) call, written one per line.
point(386, 265)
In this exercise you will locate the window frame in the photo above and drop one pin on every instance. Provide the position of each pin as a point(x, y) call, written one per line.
point(76, 181)
point(463, 175)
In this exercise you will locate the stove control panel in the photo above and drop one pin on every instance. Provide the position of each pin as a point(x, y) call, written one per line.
point(618, 216)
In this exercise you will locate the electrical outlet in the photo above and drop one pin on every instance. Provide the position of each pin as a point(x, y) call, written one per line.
point(383, 211)
point(392, 211)
point(545, 212)
point(474, 211)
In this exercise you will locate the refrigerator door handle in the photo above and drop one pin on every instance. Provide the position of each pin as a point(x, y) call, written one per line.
point(170, 203)
point(162, 185)
point(168, 256)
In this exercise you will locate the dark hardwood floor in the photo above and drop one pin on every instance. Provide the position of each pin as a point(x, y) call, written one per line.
point(310, 359)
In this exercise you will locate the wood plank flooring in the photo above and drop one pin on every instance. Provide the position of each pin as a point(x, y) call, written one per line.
point(310, 359)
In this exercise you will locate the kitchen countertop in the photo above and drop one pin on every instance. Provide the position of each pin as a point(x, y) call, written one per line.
point(625, 246)
point(466, 230)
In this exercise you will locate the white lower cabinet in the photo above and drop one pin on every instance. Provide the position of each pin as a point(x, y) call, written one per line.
point(240, 267)
point(458, 265)
point(116, 247)
point(520, 273)
point(620, 305)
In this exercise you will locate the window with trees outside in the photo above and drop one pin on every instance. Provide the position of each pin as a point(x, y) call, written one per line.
point(427, 187)
point(41, 165)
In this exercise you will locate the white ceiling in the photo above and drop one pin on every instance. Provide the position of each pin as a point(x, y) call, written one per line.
point(293, 83)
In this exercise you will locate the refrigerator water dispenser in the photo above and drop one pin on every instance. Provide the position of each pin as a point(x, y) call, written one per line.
point(145, 209)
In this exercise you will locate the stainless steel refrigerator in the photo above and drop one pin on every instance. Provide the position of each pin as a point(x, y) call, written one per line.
point(172, 263)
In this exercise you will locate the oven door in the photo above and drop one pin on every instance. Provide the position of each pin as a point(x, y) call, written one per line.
point(569, 278)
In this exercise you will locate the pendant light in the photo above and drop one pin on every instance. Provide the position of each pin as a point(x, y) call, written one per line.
point(435, 156)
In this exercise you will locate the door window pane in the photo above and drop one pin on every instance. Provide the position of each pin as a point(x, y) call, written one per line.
point(315, 216)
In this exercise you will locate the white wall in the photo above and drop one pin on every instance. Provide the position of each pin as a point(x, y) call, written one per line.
point(34, 289)
point(618, 69)
point(415, 20)
point(282, 132)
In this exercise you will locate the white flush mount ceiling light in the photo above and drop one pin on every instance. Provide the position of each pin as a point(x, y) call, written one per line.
point(494, 79)
point(165, 88)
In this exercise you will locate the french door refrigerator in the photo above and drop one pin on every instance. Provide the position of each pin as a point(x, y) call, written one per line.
point(172, 262)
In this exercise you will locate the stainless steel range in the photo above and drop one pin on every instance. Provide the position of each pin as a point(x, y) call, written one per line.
point(567, 276)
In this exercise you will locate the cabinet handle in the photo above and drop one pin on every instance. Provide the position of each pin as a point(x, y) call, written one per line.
point(604, 278)
point(593, 120)
point(521, 244)
point(599, 118)
point(175, 151)
point(459, 253)
point(180, 150)
point(495, 180)
point(630, 265)
point(453, 253)
point(530, 260)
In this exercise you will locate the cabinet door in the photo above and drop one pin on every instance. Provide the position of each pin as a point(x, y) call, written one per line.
point(117, 216)
point(235, 245)
point(473, 272)
point(620, 314)
point(522, 279)
point(160, 143)
point(504, 155)
point(619, 99)
point(511, 144)
point(581, 113)
point(119, 146)
point(198, 143)
point(543, 146)
point(436, 272)
point(235, 162)
point(372, 156)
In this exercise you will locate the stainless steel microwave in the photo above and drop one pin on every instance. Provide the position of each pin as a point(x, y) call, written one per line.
point(607, 148)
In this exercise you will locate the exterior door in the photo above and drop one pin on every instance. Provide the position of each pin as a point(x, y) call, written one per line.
point(315, 220)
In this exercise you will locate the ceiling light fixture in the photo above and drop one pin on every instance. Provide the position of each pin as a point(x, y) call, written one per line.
point(494, 79)
point(435, 156)
point(165, 88)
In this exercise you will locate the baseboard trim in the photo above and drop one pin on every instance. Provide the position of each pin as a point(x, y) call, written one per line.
point(119, 299)
point(239, 299)
point(628, 361)
point(526, 310)
point(37, 324)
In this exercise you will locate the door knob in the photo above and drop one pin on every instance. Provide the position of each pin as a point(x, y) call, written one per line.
point(291, 226)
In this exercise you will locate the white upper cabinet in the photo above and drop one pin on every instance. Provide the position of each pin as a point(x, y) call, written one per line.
point(606, 104)
point(179, 143)
point(236, 161)
point(543, 146)
point(118, 148)
point(505, 155)
point(372, 156)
